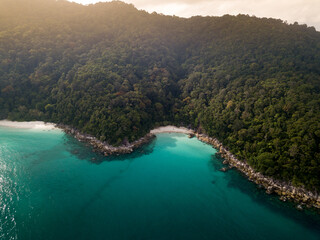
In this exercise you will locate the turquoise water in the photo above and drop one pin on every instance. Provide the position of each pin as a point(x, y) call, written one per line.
point(53, 187)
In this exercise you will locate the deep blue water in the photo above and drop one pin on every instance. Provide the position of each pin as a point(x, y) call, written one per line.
point(53, 187)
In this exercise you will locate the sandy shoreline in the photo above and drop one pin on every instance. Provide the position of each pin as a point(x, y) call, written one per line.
point(49, 126)
point(37, 125)
point(171, 129)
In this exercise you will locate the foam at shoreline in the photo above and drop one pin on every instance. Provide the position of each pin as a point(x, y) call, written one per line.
point(37, 125)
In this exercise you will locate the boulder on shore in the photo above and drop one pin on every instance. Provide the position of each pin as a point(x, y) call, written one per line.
point(191, 135)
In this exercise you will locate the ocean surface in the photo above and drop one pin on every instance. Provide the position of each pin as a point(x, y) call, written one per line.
point(53, 187)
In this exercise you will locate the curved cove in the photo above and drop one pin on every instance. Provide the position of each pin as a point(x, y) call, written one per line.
point(53, 187)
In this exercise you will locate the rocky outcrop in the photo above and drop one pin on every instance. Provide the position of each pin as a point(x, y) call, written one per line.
point(191, 135)
point(285, 190)
point(104, 147)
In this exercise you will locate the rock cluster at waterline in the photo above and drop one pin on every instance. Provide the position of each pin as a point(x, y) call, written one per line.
point(104, 147)
point(284, 190)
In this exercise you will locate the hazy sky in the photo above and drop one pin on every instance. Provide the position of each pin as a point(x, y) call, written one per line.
point(302, 11)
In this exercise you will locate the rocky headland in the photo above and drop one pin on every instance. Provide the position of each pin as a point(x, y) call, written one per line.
point(103, 147)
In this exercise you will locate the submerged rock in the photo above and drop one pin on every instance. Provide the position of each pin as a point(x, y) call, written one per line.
point(223, 169)
point(299, 207)
point(283, 198)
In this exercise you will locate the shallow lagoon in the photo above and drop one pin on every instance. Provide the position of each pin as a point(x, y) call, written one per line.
point(53, 187)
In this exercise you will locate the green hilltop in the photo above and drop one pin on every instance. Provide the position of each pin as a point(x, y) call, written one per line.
point(116, 72)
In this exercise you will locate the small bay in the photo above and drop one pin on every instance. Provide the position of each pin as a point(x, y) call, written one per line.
point(54, 187)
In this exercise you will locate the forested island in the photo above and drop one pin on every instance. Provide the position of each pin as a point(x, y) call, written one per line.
point(115, 72)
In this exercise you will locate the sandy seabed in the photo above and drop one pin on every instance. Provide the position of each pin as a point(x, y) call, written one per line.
point(28, 125)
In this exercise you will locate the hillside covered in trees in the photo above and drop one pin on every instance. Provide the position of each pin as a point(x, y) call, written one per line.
point(116, 72)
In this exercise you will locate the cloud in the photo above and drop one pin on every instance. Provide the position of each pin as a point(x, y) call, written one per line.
point(302, 11)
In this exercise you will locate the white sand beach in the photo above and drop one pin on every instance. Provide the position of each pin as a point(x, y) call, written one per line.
point(171, 129)
point(28, 125)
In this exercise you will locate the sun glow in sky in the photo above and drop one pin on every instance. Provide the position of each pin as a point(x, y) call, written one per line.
point(301, 11)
